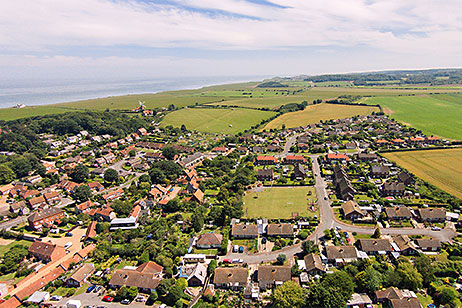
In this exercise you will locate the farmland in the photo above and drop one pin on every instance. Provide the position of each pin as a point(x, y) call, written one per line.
point(226, 121)
point(315, 113)
point(433, 114)
point(279, 202)
point(441, 168)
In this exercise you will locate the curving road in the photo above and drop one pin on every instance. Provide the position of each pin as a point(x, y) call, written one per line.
point(329, 221)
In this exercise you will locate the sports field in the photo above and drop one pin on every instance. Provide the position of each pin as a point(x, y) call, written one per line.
point(226, 121)
point(442, 168)
point(439, 115)
point(280, 202)
point(315, 113)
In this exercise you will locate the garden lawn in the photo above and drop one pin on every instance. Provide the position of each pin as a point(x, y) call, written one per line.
point(439, 115)
point(5, 248)
point(442, 168)
point(280, 202)
point(315, 113)
point(216, 120)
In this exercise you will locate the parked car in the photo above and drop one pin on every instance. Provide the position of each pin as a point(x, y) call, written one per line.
point(68, 234)
point(108, 298)
point(238, 261)
point(436, 229)
point(97, 288)
point(263, 240)
point(235, 248)
point(125, 302)
point(90, 288)
point(241, 249)
point(56, 298)
point(226, 261)
point(67, 245)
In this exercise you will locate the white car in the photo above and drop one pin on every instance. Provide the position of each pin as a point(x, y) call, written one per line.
point(68, 244)
point(56, 298)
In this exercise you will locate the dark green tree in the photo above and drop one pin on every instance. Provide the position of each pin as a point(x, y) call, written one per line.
point(289, 294)
point(82, 193)
point(79, 174)
point(111, 175)
point(169, 153)
point(6, 174)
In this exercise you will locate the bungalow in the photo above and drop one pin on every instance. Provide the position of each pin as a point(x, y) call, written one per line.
point(28, 193)
point(393, 189)
point(153, 157)
point(303, 146)
point(416, 140)
point(234, 278)
point(374, 246)
point(405, 245)
point(405, 178)
point(113, 195)
point(398, 142)
point(351, 211)
point(20, 208)
point(429, 244)
point(398, 213)
point(95, 187)
point(145, 277)
point(266, 160)
point(52, 197)
point(219, 150)
point(314, 265)
point(105, 214)
point(379, 171)
point(192, 160)
point(209, 240)
point(432, 140)
point(198, 196)
point(359, 301)
point(244, 231)
point(265, 174)
point(294, 159)
point(79, 277)
point(5, 189)
point(45, 217)
point(431, 215)
point(299, 172)
point(46, 252)
point(270, 276)
point(334, 158)
point(83, 207)
point(281, 230)
point(395, 298)
point(367, 156)
point(37, 202)
point(90, 234)
point(341, 254)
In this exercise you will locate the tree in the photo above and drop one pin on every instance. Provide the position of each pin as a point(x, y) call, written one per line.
point(153, 296)
point(170, 169)
point(132, 153)
point(320, 296)
point(172, 206)
point(376, 233)
point(6, 175)
point(309, 247)
point(122, 208)
point(111, 175)
point(369, 280)
point(341, 282)
point(281, 258)
point(447, 296)
point(21, 166)
point(409, 277)
point(169, 153)
point(289, 294)
point(82, 193)
point(423, 264)
point(183, 128)
point(80, 173)
point(211, 268)
point(157, 176)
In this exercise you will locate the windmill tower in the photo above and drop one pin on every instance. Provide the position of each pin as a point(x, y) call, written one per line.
point(142, 106)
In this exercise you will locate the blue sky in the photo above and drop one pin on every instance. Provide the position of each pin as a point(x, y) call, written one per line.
point(150, 38)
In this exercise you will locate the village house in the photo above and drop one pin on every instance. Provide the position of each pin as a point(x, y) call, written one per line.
point(266, 160)
point(46, 252)
point(271, 276)
point(244, 231)
point(145, 277)
point(380, 171)
point(314, 265)
point(192, 160)
point(294, 159)
point(405, 178)
point(37, 202)
point(405, 245)
point(374, 246)
point(195, 274)
point(281, 230)
point(351, 211)
point(5, 189)
point(79, 277)
point(431, 215)
point(209, 240)
point(234, 278)
point(337, 158)
point(398, 213)
point(83, 207)
point(429, 244)
point(395, 298)
point(343, 184)
point(341, 254)
point(265, 174)
point(393, 189)
point(95, 187)
point(90, 234)
point(20, 208)
point(299, 172)
point(52, 197)
point(367, 157)
point(104, 214)
point(113, 195)
point(45, 217)
point(152, 157)
point(359, 301)
point(219, 150)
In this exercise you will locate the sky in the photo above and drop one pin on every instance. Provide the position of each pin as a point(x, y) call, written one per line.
point(189, 38)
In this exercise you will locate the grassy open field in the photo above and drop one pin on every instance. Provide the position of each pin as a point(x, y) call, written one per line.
point(226, 121)
point(315, 113)
point(279, 202)
point(433, 114)
point(5, 248)
point(442, 168)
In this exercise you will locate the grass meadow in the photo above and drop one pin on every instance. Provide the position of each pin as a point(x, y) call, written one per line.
point(442, 168)
point(216, 120)
point(439, 115)
point(315, 113)
point(279, 202)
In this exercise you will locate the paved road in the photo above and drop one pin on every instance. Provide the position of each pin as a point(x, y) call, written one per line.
point(329, 221)
point(290, 142)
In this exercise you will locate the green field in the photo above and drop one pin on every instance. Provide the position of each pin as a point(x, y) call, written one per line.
point(439, 115)
point(279, 202)
point(442, 168)
point(315, 113)
point(216, 120)
point(5, 248)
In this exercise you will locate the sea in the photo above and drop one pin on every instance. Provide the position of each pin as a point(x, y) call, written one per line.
point(50, 91)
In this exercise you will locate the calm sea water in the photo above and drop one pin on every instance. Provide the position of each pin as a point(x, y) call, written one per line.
point(42, 92)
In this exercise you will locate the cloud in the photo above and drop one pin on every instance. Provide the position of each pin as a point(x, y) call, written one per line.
point(408, 26)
